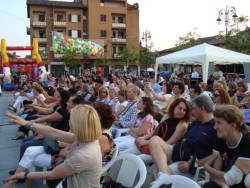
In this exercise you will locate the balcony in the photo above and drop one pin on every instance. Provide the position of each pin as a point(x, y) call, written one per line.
point(116, 56)
point(118, 40)
point(118, 25)
point(39, 24)
point(60, 23)
point(56, 55)
point(40, 40)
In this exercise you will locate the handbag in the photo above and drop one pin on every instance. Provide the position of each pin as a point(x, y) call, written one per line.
point(145, 148)
point(50, 146)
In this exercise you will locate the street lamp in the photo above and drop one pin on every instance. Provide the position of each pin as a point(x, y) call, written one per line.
point(226, 13)
point(145, 37)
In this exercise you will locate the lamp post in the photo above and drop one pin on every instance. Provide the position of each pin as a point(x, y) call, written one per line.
point(145, 37)
point(226, 13)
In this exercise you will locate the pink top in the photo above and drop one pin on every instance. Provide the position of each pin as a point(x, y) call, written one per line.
point(147, 119)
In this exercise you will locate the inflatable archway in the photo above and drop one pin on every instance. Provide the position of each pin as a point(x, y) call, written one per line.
point(32, 67)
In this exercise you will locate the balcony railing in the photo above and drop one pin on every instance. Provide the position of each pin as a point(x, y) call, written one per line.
point(41, 40)
point(118, 25)
point(59, 23)
point(116, 56)
point(39, 24)
point(119, 40)
point(56, 55)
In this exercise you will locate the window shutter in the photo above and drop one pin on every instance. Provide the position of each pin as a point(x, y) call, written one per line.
point(79, 33)
point(70, 33)
point(69, 17)
point(79, 17)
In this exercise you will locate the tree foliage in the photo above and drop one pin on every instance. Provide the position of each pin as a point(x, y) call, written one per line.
point(238, 36)
point(71, 60)
point(128, 55)
point(147, 57)
point(104, 61)
point(188, 40)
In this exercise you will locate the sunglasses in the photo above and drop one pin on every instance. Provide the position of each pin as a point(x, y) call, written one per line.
point(216, 95)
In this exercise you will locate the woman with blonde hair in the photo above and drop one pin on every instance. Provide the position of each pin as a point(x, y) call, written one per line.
point(82, 166)
point(229, 163)
point(103, 95)
point(221, 97)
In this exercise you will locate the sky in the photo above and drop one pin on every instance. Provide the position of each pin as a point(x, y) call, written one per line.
point(166, 20)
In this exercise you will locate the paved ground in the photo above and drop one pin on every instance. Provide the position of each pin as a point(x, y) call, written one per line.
point(9, 149)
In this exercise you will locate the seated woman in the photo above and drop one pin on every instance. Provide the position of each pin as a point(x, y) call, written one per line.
point(170, 130)
point(106, 140)
point(83, 165)
point(103, 95)
point(230, 161)
point(143, 124)
point(241, 93)
point(221, 96)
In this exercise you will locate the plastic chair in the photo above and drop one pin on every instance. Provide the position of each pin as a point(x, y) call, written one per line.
point(131, 165)
point(111, 162)
point(176, 181)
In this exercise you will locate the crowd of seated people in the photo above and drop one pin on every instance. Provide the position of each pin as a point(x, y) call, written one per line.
point(181, 126)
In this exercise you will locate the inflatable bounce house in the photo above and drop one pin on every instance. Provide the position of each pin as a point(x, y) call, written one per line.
point(34, 68)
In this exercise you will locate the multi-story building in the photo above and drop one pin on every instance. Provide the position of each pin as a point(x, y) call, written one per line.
point(111, 23)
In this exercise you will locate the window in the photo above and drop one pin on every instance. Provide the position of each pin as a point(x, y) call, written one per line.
point(121, 34)
point(42, 33)
point(103, 18)
point(101, 2)
point(114, 49)
point(59, 18)
point(103, 33)
point(41, 18)
point(120, 48)
point(120, 19)
point(74, 18)
point(114, 34)
point(51, 16)
point(74, 33)
point(113, 19)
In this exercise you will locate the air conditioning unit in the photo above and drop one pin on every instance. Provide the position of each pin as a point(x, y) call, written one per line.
point(84, 33)
point(84, 17)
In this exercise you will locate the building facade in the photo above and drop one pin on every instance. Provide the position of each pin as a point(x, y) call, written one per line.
point(113, 24)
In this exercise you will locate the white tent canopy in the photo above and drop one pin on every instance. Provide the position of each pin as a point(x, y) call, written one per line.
point(203, 54)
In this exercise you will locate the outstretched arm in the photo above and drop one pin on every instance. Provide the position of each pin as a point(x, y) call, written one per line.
point(44, 130)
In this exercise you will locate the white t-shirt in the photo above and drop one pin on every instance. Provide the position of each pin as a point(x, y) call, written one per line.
point(161, 104)
point(40, 96)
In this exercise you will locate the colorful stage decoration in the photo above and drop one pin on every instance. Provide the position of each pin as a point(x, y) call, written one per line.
point(86, 48)
point(31, 67)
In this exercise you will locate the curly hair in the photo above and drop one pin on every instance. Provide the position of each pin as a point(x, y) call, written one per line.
point(187, 116)
point(149, 107)
point(105, 113)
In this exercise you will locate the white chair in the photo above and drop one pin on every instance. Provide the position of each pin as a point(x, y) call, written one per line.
point(131, 165)
point(111, 162)
point(176, 181)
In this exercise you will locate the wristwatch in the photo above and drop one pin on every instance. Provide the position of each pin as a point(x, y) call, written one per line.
point(29, 124)
point(26, 175)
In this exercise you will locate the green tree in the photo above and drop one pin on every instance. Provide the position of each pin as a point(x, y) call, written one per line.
point(71, 60)
point(128, 55)
point(188, 40)
point(238, 36)
point(104, 61)
point(147, 57)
